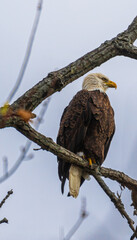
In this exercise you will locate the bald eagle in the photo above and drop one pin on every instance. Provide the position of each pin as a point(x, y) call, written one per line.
point(86, 129)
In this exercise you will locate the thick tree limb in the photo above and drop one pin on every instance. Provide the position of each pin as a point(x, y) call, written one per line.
point(55, 81)
point(49, 145)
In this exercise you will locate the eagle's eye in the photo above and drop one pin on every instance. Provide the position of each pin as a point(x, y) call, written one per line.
point(104, 79)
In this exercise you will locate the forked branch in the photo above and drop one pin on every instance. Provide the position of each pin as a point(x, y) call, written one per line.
point(97, 172)
point(56, 81)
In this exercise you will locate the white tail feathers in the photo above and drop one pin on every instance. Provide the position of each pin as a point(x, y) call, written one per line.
point(75, 174)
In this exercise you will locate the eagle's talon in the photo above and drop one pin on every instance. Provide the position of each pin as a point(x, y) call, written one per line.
point(90, 162)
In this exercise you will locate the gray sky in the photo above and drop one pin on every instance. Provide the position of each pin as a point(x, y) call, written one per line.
point(67, 30)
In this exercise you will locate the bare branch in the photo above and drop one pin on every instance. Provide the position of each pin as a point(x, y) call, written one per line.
point(7, 196)
point(117, 201)
point(25, 149)
point(131, 32)
point(120, 177)
point(134, 235)
point(49, 145)
point(5, 165)
point(83, 215)
point(4, 220)
point(124, 180)
point(28, 52)
point(134, 199)
point(55, 81)
point(126, 48)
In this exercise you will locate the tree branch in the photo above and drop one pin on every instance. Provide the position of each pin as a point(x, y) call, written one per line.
point(83, 215)
point(55, 81)
point(4, 220)
point(25, 149)
point(126, 48)
point(28, 52)
point(134, 235)
point(120, 177)
point(117, 201)
point(7, 196)
point(49, 145)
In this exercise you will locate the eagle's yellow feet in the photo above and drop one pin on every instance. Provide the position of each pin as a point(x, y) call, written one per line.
point(91, 161)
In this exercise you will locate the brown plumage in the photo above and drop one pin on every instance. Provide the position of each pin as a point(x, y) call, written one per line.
point(87, 126)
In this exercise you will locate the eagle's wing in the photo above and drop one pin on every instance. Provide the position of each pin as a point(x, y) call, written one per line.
point(73, 127)
point(107, 144)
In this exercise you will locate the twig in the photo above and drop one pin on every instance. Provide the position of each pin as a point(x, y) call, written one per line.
point(61, 233)
point(7, 196)
point(83, 215)
point(17, 163)
point(42, 113)
point(27, 145)
point(134, 235)
point(28, 52)
point(5, 165)
point(117, 201)
point(4, 220)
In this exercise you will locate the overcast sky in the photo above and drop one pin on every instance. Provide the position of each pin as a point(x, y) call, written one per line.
point(67, 30)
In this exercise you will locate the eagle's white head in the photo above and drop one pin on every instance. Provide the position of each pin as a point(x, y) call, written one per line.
point(97, 81)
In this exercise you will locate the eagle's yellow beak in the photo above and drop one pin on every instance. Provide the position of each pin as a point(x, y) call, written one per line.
point(111, 84)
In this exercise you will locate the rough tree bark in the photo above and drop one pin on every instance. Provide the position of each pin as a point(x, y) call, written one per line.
point(121, 45)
